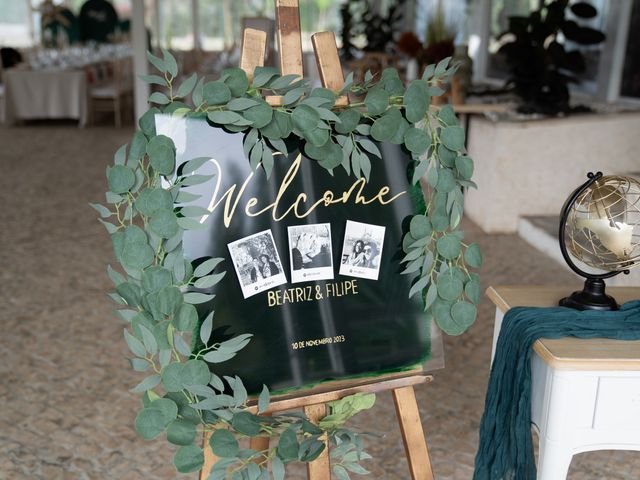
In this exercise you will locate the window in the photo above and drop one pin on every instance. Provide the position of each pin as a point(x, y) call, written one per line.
point(220, 21)
point(175, 20)
point(14, 24)
point(630, 86)
point(501, 10)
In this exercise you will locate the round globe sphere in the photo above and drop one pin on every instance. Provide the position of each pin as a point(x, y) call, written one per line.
point(602, 228)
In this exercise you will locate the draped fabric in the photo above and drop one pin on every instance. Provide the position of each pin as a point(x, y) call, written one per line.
point(506, 449)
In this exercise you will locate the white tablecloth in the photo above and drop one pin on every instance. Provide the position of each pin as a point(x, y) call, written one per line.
point(41, 94)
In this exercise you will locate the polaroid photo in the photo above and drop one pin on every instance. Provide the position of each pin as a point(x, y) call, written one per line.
point(362, 250)
point(257, 263)
point(310, 252)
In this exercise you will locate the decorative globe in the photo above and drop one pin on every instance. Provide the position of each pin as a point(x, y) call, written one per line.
point(600, 227)
point(603, 226)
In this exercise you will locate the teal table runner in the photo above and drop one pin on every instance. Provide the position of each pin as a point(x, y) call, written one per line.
point(506, 449)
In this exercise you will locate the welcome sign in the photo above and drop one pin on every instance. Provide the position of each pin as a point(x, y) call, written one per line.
point(312, 261)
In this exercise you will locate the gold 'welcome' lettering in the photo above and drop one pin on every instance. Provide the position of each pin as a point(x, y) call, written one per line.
point(232, 198)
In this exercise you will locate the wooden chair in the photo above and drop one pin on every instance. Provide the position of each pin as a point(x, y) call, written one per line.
point(113, 95)
point(376, 62)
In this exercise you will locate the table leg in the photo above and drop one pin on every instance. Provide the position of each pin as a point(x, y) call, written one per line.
point(553, 460)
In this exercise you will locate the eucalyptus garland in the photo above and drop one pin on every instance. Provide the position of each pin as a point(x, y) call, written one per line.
point(147, 211)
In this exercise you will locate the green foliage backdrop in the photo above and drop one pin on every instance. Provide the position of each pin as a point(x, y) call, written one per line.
point(154, 288)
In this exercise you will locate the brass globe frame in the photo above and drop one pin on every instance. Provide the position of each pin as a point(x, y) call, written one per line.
point(600, 197)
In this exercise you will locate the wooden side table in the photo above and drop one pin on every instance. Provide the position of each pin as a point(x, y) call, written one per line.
point(585, 393)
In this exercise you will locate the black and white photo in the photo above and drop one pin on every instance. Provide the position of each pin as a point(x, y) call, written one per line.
point(257, 263)
point(362, 250)
point(310, 252)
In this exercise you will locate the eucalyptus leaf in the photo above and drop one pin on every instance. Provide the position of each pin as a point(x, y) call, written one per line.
point(147, 122)
point(224, 444)
point(349, 120)
point(288, 446)
point(390, 81)
point(186, 318)
point(189, 458)
point(219, 356)
point(473, 256)
point(155, 278)
point(162, 154)
point(419, 226)
point(449, 247)
point(247, 424)
point(419, 286)
point(398, 137)
point(430, 297)
point(149, 423)
point(240, 104)
point(263, 75)
point(216, 93)
point(181, 432)
point(153, 80)
point(146, 384)
point(416, 101)
point(206, 328)
point(283, 81)
point(387, 125)
point(370, 147)
point(237, 81)
point(195, 372)
point(170, 63)
point(447, 115)
point(164, 223)
point(187, 86)
point(171, 376)
point(447, 157)
point(292, 96)
point(420, 170)
point(236, 344)
point(416, 140)
point(449, 287)
point(453, 138)
point(193, 165)
point(197, 297)
point(120, 178)
point(446, 180)
point(263, 399)
point(472, 290)
point(464, 166)
point(159, 98)
point(259, 115)
point(225, 117)
point(377, 101)
point(135, 345)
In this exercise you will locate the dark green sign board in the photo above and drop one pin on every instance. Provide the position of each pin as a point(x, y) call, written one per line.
point(312, 262)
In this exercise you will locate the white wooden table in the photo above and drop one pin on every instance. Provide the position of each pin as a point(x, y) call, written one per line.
point(585, 393)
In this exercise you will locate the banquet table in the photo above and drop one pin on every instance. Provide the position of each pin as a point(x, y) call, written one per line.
point(45, 94)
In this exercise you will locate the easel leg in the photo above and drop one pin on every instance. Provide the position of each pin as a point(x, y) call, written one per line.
point(319, 469)
point(415, 444)
point(260, 444)
point(209, 458)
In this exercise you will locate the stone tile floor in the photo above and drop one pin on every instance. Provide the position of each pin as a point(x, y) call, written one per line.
point(65, 409)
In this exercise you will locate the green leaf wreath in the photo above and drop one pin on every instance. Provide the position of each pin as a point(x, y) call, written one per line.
point(168, 340)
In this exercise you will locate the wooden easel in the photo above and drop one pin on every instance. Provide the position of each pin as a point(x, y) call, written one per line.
point(313, 401)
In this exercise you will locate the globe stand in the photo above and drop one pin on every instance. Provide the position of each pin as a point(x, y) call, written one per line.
point(592, 296)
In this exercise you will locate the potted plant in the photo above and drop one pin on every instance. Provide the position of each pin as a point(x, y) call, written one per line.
point(542, 63)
